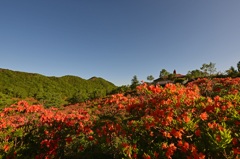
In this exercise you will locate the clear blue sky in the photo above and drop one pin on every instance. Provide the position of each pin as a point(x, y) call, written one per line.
point(117, 39)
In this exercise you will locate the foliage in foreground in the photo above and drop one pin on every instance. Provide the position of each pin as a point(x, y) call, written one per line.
point(200, 120)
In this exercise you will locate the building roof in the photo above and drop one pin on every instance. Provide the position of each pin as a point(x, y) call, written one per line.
point(180, 76)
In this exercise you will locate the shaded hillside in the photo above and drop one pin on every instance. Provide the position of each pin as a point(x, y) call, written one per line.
point(51, 90)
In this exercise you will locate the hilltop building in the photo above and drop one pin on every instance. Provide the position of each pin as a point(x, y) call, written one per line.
point(170, 79)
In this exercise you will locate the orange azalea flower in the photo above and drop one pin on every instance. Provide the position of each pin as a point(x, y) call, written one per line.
point(134, 155)
point(169, 117)
point(201, 156)
point(224, 108)
point(193, 149)
point(180, 143)
point(214, 125)
point(185, 146)
point(1, 115)
point(146, 156)
point(90, 138)
point(198, 132)
point(151, 133)
point(170, 150)
point(204, 116)
point(210, 125)
point(156, 154)
point(121, 106)
point(6, 147)
point(176, 134)
point(218, 138)
point(167, 134)
point(236, 151)
point(45, 142)
point(125, 145)
point(186, 118)
point(164, 146)
point(234, 141)
point(217, 98)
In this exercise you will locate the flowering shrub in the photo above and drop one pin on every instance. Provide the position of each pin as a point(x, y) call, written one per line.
point(43, 133)
point(217, 86)
point(200, 120)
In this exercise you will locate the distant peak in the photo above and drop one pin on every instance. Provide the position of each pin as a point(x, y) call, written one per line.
point(93, 78)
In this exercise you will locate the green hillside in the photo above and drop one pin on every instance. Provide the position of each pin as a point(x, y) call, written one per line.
point(50, 91)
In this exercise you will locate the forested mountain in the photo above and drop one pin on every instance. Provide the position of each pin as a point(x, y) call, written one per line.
point(50, 91)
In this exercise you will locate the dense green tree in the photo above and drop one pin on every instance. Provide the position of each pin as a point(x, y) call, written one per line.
point(238, 66)
point(208, 69)
point(164, 73)
point(20, 92)
point(78, 97)
point(97, 93)
point(195, 74)
point(150, 78)
point(231, 71)
point(122, 89)
point(53, 100)
point(5, 100)
point(135, 82)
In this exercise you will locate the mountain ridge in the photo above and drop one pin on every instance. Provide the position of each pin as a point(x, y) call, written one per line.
point(35, 73)
point(52, 90)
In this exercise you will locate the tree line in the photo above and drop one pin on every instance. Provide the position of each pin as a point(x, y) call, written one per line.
point(206, 70)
